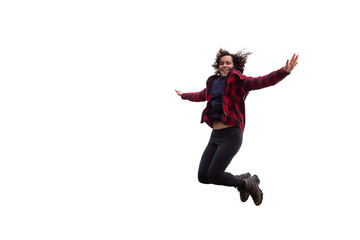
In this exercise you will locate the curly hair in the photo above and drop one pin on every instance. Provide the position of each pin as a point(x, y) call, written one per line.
point(239, 59)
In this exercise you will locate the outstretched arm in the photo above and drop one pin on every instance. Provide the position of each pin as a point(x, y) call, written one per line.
point(271, 79)
point(194, 96)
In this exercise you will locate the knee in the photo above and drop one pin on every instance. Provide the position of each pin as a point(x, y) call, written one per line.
point(203, 178)
point(208, 177)
point(212, 177)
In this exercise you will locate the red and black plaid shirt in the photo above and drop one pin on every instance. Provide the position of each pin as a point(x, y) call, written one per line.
point(236, 89)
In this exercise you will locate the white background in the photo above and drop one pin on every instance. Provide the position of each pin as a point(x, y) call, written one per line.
point(95, 143)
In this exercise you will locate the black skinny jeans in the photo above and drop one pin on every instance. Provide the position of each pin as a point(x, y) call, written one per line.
point(221, 149)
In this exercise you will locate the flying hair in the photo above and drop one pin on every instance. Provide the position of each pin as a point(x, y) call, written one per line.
point(239, 59)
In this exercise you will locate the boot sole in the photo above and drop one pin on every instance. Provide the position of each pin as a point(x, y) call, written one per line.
point(257, 179)
point(258, 203)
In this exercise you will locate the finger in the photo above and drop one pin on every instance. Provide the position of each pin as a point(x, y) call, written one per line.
point(294, 62)
point(296, 58)
point(294, 65)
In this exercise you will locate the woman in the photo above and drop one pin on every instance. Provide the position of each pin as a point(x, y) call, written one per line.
point(225, 94)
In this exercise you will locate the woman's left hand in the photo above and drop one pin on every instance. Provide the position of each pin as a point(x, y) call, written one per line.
point(291, 65)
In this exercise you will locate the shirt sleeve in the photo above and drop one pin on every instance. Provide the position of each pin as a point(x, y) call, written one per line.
point(195, 96)
point(251, 83)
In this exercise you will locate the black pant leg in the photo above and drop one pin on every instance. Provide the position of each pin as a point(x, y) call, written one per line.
point(228, 144)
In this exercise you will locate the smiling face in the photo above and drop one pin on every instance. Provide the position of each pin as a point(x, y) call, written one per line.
point(226, 63)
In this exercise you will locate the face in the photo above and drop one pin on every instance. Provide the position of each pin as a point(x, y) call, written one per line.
point(226, 63)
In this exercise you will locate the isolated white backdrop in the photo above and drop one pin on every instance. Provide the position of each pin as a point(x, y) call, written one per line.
point(95, 143)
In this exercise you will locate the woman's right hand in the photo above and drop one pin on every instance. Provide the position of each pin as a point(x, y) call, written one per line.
point(178, 92)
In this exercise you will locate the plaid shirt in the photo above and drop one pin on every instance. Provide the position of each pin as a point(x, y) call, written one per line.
point(236, 89)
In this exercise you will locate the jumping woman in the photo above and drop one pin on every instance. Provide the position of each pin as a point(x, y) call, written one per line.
point(225, 94)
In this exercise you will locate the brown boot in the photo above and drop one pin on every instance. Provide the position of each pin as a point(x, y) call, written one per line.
point(244, 195)
point(252, 186)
